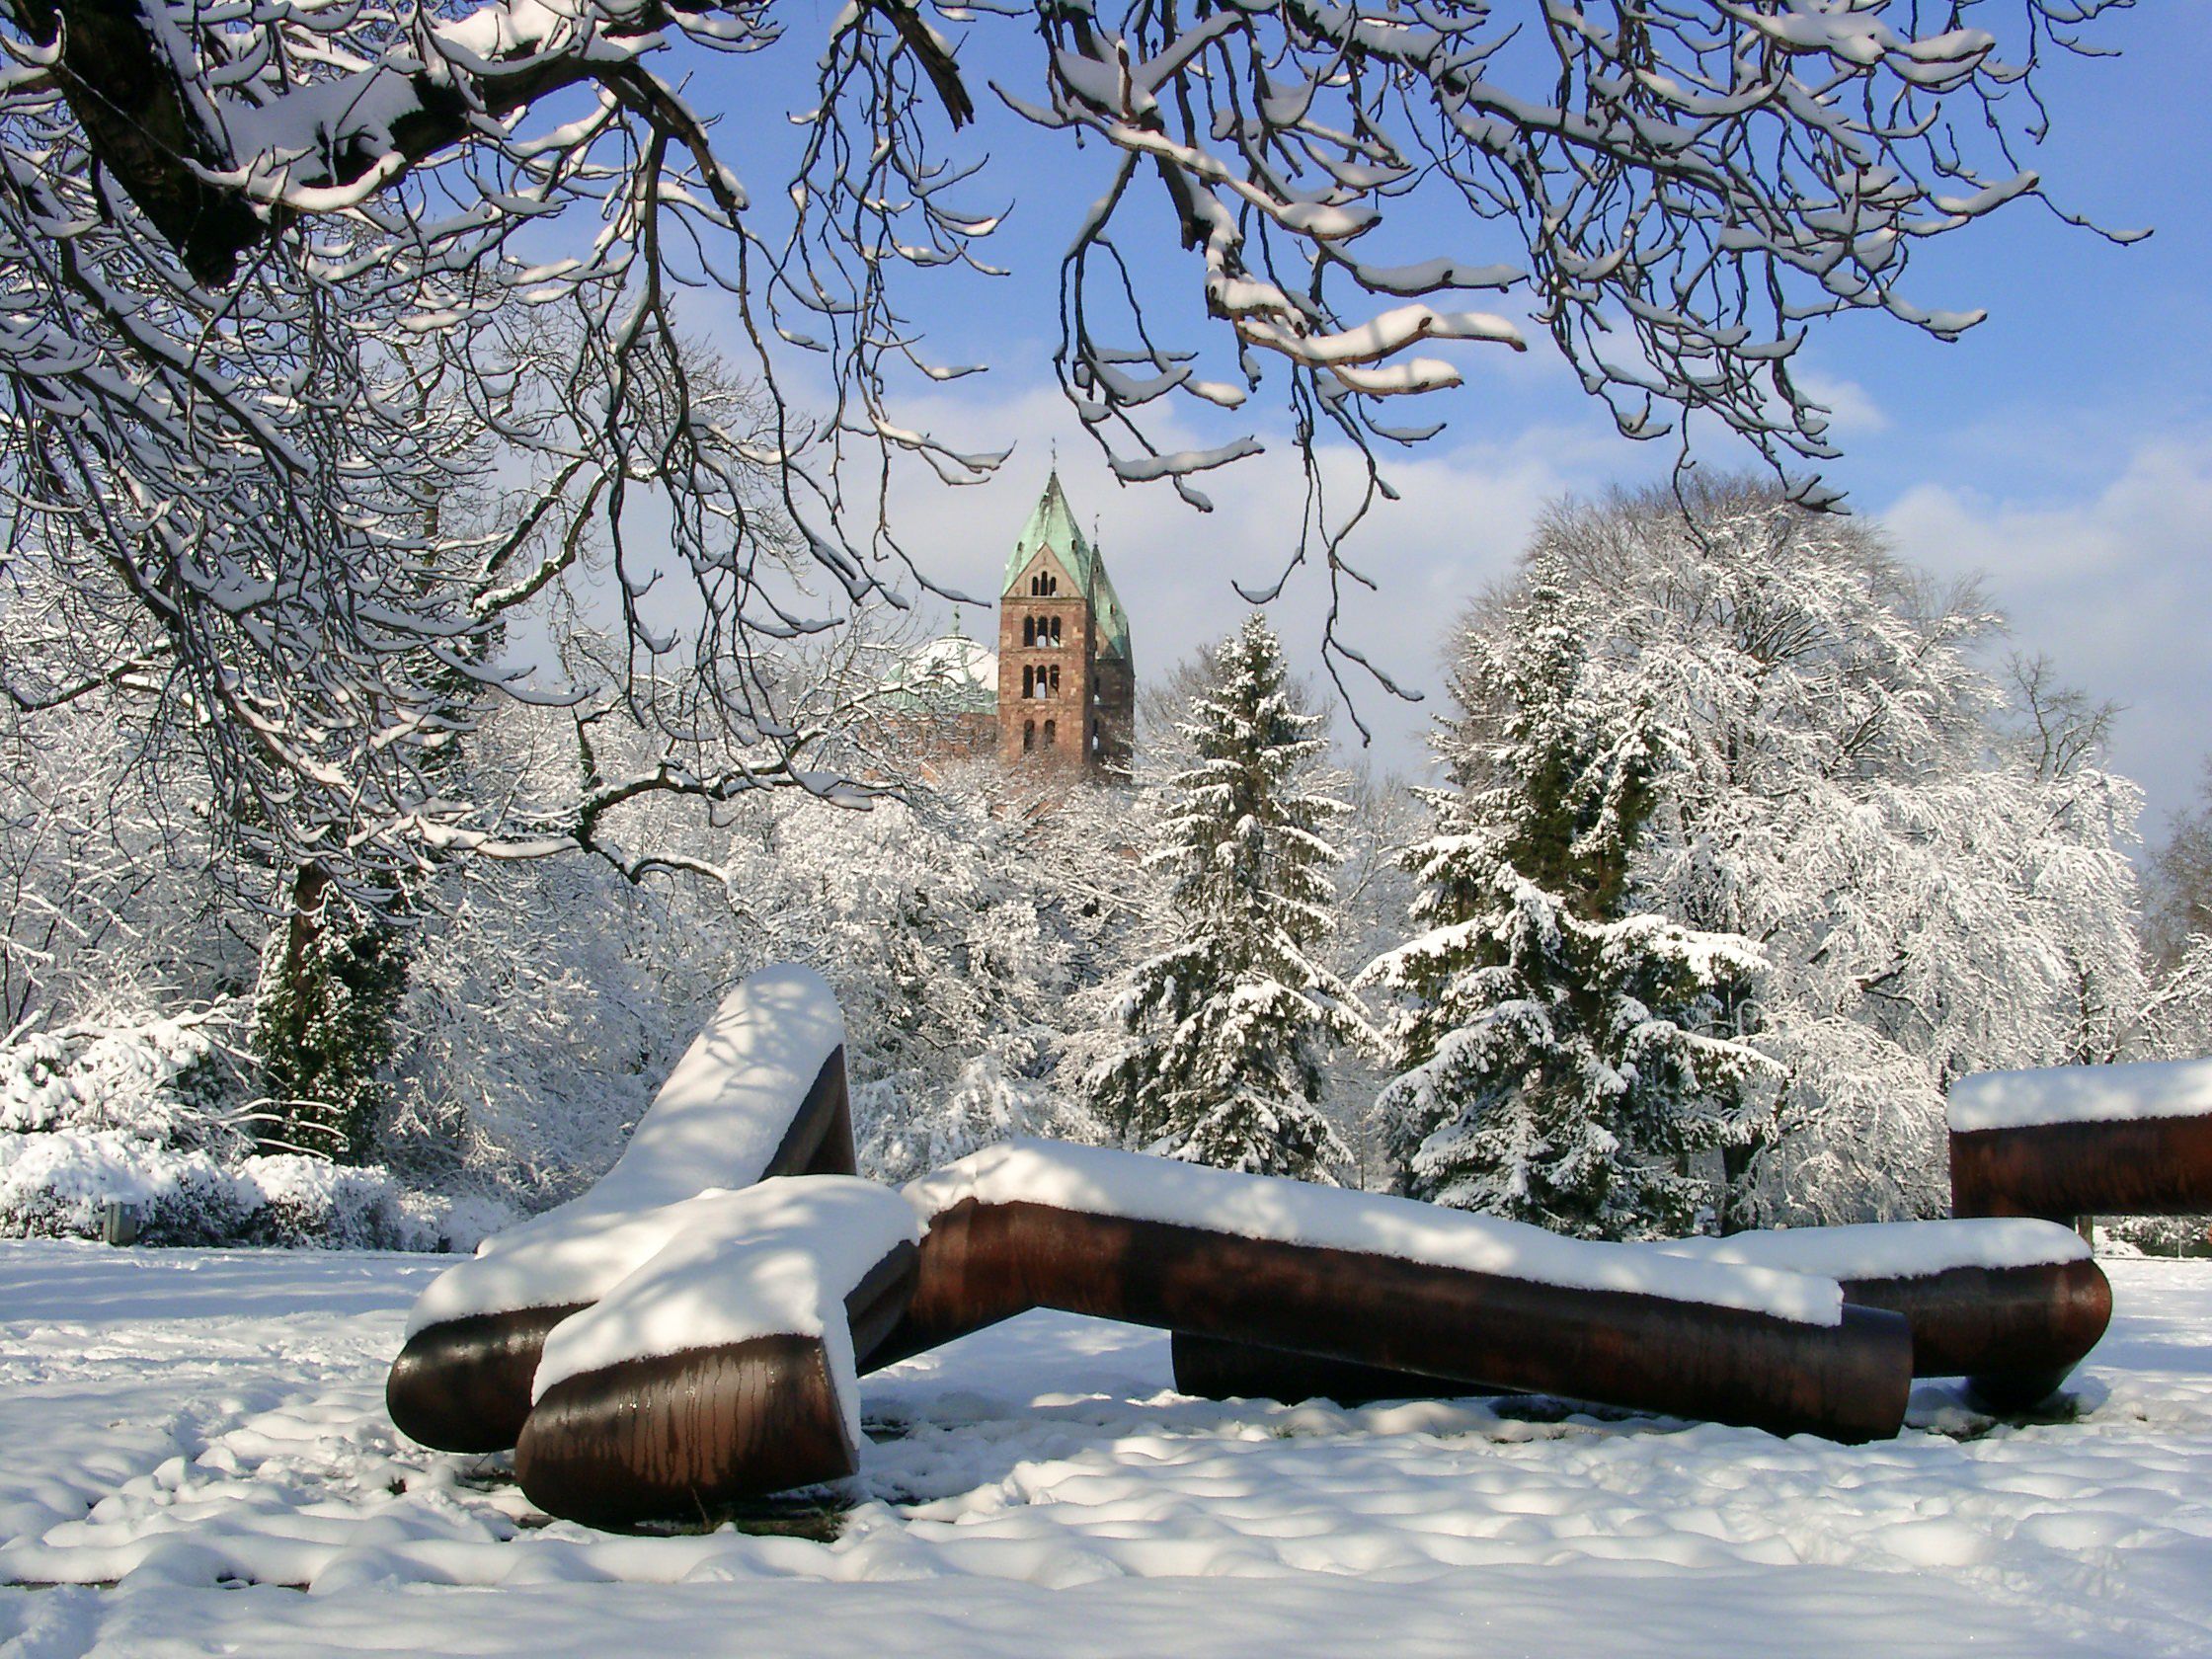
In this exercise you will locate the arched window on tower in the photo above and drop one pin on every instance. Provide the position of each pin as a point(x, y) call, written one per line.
point(1055, 680)
point(1028, 680)
point(1029, 630)
point(1056, 630)
point(1052, 732)
point(1028, 735)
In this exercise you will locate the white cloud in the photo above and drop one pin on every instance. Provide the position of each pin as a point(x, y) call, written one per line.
point(2114, 582)
point(1852, 409)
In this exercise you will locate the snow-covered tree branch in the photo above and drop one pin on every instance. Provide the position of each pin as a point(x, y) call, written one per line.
point(337, 334)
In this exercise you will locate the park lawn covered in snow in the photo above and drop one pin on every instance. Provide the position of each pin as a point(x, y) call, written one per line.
point(195, 1457)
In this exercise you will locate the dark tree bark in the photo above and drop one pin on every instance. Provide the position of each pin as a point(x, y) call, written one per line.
point(126, 91)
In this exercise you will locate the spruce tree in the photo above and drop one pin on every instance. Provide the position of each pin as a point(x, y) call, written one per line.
point(331, 979)
point(1230, 1020)
point(1559, 1058)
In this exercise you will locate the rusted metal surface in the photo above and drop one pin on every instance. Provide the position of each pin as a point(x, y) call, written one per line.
point(2015, 1333)
point(819, 1139)
point(982, 1263)
point(2145, 1166)
point(680, 1436)
point(464, 1385)
point(676, 1436)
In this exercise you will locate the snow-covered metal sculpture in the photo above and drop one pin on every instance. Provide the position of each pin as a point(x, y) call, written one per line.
point(727, 1364)
point(760, 1092)
point(2009, 1305)
point(692, 1330)
point(2071, 1141)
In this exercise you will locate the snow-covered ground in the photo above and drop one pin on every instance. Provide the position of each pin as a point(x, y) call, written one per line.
point(195, 1459)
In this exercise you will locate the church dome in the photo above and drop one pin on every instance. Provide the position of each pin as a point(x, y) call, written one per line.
point(951, 674)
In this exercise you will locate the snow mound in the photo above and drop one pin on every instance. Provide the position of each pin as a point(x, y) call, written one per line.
point(1891, 1249)
point(2148, 1089)
point(1130, 1185)
point(56, 1184)
point(776, 1259)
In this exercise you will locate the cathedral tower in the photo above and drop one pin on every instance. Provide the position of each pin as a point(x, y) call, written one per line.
point(1067, 678)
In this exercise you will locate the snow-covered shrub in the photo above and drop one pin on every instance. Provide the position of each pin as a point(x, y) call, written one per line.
point(151, 1078)
point(56, 1184)
point(543, 1007)
point(118, 893)
point(2159, 1236)
point(142, 1111)
point(910, 1130)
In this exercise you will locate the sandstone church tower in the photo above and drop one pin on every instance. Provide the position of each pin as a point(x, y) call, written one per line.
point(1066, 679)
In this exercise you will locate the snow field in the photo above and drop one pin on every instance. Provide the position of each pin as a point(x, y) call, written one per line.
point(174, 1422)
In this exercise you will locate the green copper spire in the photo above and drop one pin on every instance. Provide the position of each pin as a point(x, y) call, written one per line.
point(1052, 525)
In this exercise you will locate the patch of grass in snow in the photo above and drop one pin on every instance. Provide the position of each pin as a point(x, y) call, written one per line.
point(816, 1517)
point(1963, 1423)
point(1567, 1413)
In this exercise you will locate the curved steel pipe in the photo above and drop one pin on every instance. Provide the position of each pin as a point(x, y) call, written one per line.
point(2142, 1166)
point(982, 1262)
point(2015, 1333)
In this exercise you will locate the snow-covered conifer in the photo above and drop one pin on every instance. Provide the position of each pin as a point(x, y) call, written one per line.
point(1230, 1021)
point(1934, 865)
point(331, 980)
point(1561, 1054)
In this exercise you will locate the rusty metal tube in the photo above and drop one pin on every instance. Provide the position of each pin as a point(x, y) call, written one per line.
point(681, 1436)
point(2015, 1333)
point(2142, 1166)
point(981, 1262)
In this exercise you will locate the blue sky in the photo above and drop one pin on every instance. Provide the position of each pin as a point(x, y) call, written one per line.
point(2063, 448)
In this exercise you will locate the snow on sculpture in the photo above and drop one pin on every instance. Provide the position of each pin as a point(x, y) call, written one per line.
point(2132, 1140)
point(1380, 1280)
point(759, 1092)
point(692, 1330)
point(726, 1364)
